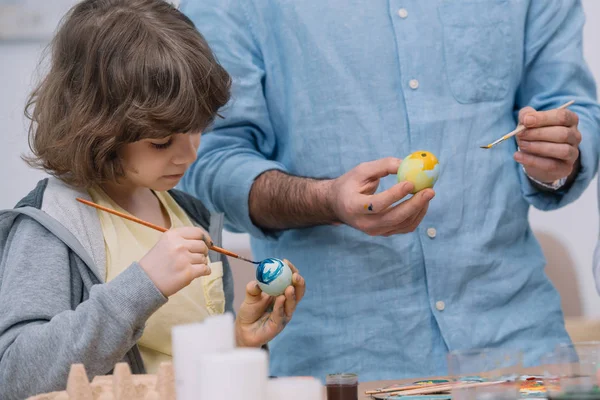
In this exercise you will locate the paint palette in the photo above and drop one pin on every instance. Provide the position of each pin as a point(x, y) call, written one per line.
point(273, 276)
point(530, 388)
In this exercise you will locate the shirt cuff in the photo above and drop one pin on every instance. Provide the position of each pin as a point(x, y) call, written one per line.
point(554, 186)
point(547, 200)
point(237, 217)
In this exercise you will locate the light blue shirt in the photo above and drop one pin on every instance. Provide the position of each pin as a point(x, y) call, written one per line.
point(323, 85)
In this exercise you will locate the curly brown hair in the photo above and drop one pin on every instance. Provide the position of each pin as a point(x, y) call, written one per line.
point(121, 71)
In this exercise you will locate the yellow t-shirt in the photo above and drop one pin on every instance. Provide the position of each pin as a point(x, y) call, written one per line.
point(125, 242)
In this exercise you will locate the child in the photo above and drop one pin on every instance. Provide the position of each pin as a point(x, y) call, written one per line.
point(117, 120)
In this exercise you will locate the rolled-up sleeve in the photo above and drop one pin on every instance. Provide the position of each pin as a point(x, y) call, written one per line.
point(556, 72)
point(240, 146)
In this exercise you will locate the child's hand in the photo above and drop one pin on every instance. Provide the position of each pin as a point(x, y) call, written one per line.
point(256, 324)
point(177, 259)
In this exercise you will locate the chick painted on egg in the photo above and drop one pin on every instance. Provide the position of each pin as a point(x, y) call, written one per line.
point(273, 276)
point(421, 168)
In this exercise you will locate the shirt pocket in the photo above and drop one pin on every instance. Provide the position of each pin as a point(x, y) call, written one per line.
point(478, 53)
point(214, 293)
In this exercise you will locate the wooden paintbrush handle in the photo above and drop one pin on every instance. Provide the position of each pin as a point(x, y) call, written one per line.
point(520, 128)
point(150, 225)
point(122, 215)
point(223, 251)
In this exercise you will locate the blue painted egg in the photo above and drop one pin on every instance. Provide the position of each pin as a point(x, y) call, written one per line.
point(273, 276)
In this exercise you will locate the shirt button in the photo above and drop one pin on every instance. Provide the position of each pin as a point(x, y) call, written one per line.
point(431, 232)
point(403, 13)
point(413, 83)
point(440, 305)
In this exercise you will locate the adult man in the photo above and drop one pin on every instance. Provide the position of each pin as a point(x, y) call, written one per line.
point(338, 89)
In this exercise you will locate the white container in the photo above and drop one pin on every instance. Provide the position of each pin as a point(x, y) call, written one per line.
point(190, 343)
point(295, 388)
point(239, 374)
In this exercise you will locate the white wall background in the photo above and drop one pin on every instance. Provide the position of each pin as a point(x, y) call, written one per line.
point(568, 236)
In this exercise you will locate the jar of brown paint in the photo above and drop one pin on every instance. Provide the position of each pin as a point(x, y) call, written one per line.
point(342, 387)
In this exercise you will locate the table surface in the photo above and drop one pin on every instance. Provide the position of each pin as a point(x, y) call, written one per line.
point(362, 387)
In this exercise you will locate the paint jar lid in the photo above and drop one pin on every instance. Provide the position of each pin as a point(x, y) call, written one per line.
point(342, 379)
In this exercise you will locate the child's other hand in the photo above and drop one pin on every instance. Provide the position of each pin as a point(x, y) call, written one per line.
point(256, 323)
point(179, 257)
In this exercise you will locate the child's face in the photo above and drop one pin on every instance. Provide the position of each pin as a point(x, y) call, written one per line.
point(159, 164)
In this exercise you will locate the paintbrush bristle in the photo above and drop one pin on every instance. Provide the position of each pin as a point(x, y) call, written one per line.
point(248, 260)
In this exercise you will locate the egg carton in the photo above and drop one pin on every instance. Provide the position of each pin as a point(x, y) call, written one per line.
point(121, 385)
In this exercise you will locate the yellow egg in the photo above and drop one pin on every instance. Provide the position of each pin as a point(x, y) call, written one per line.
point(421, 168)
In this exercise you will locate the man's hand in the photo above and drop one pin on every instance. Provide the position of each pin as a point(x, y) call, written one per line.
point(282, 201)
point(353, 200)
point(549, 147)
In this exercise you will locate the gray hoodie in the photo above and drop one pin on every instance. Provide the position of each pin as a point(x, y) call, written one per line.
point(55, 308)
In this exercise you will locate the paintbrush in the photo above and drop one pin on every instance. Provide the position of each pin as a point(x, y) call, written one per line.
point(158, 228)
point(436, 388)
point(520, 128)
point(404, 388)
